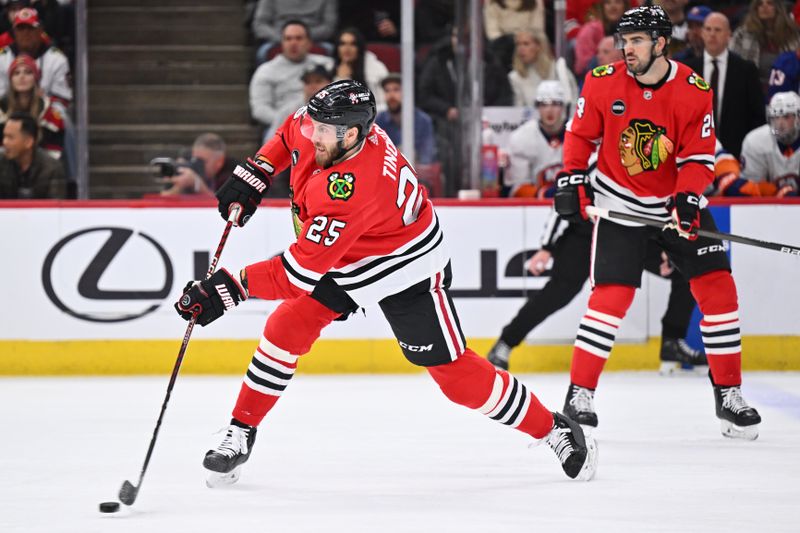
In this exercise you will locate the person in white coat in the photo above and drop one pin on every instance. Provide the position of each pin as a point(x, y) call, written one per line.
point(533, 62)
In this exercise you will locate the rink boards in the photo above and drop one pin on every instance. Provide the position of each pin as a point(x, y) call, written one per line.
point(89, 288)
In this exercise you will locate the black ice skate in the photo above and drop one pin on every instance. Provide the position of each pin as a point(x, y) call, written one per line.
point(576, 451)
point(225, 462)
point(579, 405)
point(499, 355)
point(737, 419)
point(677, 356)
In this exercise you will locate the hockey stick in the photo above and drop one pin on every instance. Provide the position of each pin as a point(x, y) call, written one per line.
point(611, 215)
point(129, 491)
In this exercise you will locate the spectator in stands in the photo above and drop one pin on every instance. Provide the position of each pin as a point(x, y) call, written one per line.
point(391, 120)
point(771, 153)
point(206, 169)
point(30, 39)
point(766, 31)
point(24, 95)
point(607, 53)
point(694, 34)
point(676, 10)
point(608, 13)
point(535, 147)
point(377, 20)
point(278, 80)
point(502, 19)
point(352, 60)
point(437, 96)
point(11, 9)
point(785, 73)
point(26, 171)
point(432, 21)
point(271, 16)
point(533, 62)
point(738, 100)
point(437, 82)
point(314, 79)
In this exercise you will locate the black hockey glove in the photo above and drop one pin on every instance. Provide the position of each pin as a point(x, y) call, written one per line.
point(685, 209)
point(246, 186)
point(573, 194)
point(210, 298)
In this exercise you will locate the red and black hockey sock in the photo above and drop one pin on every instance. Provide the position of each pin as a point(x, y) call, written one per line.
point(474, 382)
point(290, 332)
point(598, 331)
point(715, 293)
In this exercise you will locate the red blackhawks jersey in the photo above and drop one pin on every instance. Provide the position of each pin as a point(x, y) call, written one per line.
point(366, 221)
point(654, 141)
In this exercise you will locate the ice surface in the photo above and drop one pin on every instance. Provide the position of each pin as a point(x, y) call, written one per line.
point(392, 454)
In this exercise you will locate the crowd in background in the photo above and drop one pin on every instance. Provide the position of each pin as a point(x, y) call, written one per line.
point(36, 53)
point(747, 52)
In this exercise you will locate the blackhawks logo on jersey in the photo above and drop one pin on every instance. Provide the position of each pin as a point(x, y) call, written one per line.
point(698, 82)
point(341, 187)
point(602, 70)
point(644, 146)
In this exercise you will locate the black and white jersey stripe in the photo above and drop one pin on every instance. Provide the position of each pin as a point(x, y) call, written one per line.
point(609, 194)
point(707, 160)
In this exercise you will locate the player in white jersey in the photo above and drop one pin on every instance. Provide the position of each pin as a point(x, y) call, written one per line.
point(535, 147)
point(771, 153)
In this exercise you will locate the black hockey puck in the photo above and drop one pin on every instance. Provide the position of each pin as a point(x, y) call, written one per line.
point(109, 507)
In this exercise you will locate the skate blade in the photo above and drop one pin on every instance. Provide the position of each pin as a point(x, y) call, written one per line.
point(590, 465)
point(732, 431)
point(216, 480)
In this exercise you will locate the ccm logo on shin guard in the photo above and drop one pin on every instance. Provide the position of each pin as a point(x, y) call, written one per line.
point(415, 348)
point(251, 180)
point(227, 301)
point(711, 249)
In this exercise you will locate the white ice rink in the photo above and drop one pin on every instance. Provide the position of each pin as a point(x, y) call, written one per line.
point(391, 454)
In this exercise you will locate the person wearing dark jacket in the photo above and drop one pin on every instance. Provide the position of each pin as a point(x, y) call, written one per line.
point(436, 96)
point(25, 170)
point(738, 99)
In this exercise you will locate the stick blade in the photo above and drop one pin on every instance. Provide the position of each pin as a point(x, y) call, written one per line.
point(128, 493)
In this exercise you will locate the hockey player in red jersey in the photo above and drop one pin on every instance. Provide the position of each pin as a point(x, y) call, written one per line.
point(652, 119)
point(366, 234)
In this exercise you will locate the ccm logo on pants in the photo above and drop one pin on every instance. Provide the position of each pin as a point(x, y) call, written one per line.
point(710, 249)
point(414, 348)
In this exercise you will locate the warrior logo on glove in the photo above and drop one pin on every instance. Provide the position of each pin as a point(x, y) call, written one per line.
point(209, 299)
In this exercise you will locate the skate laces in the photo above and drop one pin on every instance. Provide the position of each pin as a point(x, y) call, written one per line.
point(582, 400)
point(732, 399)
point(235, 442)
point(559, 440)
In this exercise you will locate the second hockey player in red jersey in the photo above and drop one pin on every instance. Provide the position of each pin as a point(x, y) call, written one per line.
point(366, 234)
point(652, 119)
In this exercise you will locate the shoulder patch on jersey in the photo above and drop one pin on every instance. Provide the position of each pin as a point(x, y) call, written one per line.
point(644, 146)
point(603, 70)
point(698, 82)
point(341, 187)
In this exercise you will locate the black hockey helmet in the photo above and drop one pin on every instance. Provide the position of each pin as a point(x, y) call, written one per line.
point(652, 20)
point(347, 103)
